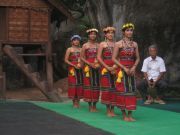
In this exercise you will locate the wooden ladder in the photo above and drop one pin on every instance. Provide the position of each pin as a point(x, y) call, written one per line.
point(52, 95)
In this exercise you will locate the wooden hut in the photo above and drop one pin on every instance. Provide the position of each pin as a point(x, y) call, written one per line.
point(27, 23)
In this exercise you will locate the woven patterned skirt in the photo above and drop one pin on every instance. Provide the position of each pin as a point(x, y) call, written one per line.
point(107, 86)
point(126, 92)
point(75, 89)
point(91, 85)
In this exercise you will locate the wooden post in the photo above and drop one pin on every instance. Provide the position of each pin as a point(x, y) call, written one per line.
point(2, 76)
point(49, 69)
point(1, 56)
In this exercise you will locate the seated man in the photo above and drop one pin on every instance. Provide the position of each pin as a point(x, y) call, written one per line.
point(153, 69)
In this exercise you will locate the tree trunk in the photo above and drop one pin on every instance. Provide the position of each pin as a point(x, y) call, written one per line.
point(156, 22)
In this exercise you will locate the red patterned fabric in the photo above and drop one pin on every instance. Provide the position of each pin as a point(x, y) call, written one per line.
point(126, 102)
point(126, 89)
point(91, 81)
point(75, 90)
point(107, 84)
point(127, 56)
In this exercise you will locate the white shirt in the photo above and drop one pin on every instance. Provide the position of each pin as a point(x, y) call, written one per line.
point(153, 67)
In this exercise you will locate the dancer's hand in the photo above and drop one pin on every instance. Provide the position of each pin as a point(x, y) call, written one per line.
point(110, 68)
point(132, 70)
point(127, 71)
point(76, 67)
point(92, 65)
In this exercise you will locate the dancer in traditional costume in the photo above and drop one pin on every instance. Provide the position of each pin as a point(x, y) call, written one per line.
point(126, 56)
point(91, 70)
point(72, 58)
point(107, 84)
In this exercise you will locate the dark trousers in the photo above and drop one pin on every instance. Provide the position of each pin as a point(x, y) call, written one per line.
point(143, 86)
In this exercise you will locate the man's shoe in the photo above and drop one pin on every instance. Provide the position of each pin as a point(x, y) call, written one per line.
point(147, 102)
point(159, 101)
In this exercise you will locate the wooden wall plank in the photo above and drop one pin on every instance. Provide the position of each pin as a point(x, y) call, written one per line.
point(39, 26)
point(24, 3)
point(18, 24)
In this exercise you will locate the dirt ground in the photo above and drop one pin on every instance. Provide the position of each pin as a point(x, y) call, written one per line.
point(35, 94)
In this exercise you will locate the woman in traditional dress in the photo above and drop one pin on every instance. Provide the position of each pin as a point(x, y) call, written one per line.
point(126, 56)
point(72, 58)
point(107, 84)
point(91, 70)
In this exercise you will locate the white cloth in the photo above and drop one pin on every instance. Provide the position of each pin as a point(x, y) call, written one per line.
point(153, 67)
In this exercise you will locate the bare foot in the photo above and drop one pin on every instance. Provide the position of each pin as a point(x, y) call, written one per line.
point(113, 114)
point(90, 109)
point(75, 106)
point(109, 114)
point(126, 118)
point(131, 119)
point(94, 109)
point(78, 106)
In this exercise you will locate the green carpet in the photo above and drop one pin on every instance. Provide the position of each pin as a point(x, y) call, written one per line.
point(149, 121)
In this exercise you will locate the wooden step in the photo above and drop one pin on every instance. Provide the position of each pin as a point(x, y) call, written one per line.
point(33, 76)
point(36, 75)
point(13, 54)
point(28, 67)
point(20, 58)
